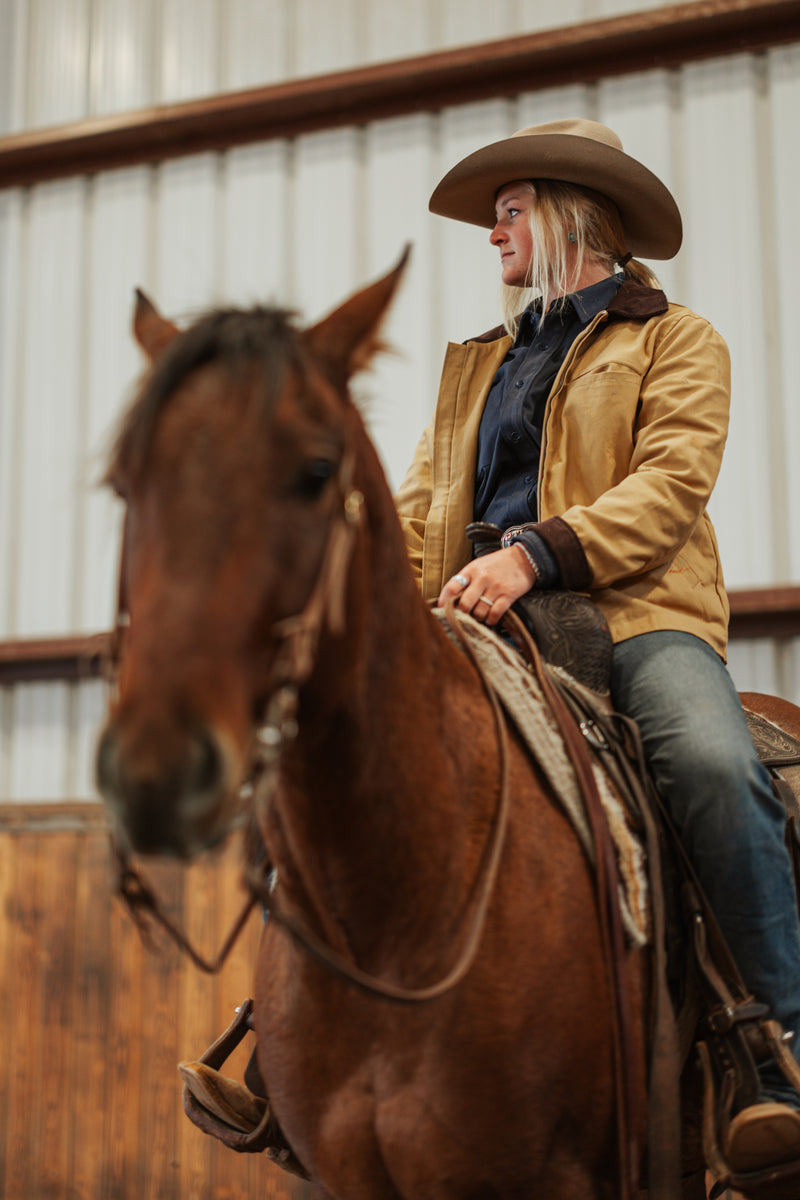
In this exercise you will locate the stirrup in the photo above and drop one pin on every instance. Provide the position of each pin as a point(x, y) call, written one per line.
point(737, 1035)
point(216, 1119)
point(778, 1182)
point(230, 1101)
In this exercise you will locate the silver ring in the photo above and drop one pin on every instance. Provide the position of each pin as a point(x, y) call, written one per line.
point(461, 580)
point(486, 600)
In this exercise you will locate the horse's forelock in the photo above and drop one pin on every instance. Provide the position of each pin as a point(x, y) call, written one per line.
point(235, 337)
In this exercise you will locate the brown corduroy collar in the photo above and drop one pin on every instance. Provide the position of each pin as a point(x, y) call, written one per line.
point(633, 301)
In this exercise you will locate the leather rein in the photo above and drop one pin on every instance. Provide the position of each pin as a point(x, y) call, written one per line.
point(298, 638)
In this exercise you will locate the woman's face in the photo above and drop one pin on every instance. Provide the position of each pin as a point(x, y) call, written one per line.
point(512, 233)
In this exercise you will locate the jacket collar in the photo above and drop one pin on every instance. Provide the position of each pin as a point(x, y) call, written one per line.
point(633, 301)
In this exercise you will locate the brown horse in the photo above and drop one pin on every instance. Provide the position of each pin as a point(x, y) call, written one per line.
point(264, 572)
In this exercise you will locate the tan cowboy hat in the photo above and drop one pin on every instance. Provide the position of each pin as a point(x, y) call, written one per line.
point(575, 151)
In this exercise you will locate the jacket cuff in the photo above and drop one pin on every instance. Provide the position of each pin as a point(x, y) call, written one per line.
point(548, 575)
point(563, 544)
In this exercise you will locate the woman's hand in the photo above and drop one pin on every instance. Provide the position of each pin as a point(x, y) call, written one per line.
point(489, 585)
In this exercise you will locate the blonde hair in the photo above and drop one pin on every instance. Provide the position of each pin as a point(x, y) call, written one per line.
point(571, 226)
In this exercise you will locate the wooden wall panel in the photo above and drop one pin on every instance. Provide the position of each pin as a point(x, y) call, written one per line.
point(94, 1023)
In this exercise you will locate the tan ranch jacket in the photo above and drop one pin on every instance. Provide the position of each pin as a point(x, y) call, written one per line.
point(634, 431)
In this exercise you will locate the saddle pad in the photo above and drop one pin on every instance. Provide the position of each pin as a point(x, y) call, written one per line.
point(526, 707)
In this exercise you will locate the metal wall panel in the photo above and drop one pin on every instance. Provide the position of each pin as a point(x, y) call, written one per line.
point(13, 60)
point(720, 143)
point(303, 222)
point(58, 46)
point(124, 39)
point(779, 391)
point(12, 291)
point(256, 253)
point(400, 160)
point(40, 748)
point(118, 258)
point(255, 43)
point(61, 60)
point(189, 35)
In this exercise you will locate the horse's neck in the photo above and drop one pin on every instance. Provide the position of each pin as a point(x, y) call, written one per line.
point(386, 791)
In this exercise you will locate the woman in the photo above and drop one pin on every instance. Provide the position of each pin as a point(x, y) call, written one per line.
point(591, 430)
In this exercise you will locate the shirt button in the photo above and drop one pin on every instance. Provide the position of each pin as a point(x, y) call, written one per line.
point(528, 479)
point(515, 437)
point(520, 383)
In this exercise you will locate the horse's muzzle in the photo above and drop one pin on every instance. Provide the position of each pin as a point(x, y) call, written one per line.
point(175, 807)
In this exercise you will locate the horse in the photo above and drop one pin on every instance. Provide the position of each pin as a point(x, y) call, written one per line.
point(266, 600)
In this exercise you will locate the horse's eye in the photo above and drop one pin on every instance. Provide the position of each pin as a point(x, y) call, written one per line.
point(312, 477)
point(114, 480)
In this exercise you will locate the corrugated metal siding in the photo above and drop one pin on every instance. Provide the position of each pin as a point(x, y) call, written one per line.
point(61, 60)
point(302, 222)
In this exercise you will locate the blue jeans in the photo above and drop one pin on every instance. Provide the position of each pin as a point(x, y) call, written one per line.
point(705, 767)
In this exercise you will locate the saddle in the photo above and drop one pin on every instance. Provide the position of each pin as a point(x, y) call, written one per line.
point(570, 631)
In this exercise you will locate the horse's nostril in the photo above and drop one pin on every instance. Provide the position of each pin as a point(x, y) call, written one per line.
point(107, 764)
point(165, 794)
point(205, 764)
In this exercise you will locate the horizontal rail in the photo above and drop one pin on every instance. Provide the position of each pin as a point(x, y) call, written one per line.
point(579, 53)
point(33, 660)
point(765, 612)
point(755, 613)
point(23, 817)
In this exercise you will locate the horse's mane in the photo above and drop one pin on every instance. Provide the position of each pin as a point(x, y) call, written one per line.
point(235, 337)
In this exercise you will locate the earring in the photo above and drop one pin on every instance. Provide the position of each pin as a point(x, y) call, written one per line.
point(571, 236)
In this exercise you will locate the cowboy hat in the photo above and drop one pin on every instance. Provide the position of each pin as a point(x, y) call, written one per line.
point(575, 151)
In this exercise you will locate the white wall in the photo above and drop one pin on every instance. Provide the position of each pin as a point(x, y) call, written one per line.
point(61, 60)
point(304, 221)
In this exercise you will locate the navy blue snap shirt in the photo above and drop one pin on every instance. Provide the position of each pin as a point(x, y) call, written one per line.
point(510, 435)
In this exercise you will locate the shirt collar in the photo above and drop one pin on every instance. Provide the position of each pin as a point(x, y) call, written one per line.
point(586, 303)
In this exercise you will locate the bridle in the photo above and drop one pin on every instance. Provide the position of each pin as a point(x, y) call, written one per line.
point(298, 640)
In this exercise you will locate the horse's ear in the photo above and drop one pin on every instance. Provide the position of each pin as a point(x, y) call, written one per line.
point(152, 331)
point(348, 337)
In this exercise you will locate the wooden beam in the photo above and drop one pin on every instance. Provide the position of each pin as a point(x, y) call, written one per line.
point(53, 817)
point(765, 613)
point(580, 53)
point(772, 612)
point(64, 658)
